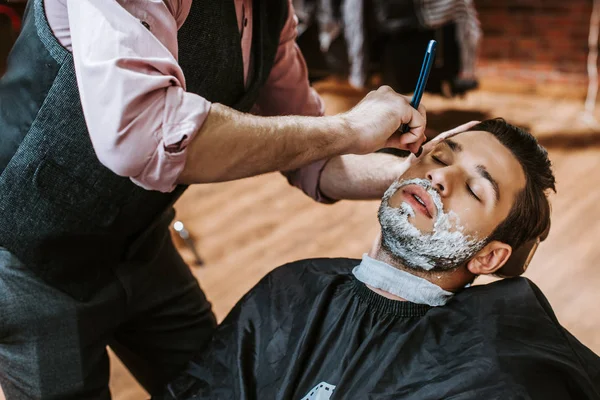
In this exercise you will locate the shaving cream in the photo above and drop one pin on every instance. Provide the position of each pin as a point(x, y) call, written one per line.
point(447, 247)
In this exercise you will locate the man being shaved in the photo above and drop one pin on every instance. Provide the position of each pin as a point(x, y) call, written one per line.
point(404, 323)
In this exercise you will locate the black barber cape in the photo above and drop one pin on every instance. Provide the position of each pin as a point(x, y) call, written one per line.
point(310, 330)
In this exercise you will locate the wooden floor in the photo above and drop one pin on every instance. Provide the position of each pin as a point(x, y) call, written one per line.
point(244, 229)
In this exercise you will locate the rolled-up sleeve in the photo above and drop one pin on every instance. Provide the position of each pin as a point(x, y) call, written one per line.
point(139, 116)
point(288, 92)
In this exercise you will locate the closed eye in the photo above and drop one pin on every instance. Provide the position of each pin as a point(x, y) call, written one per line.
point(473, 193)
point(437, 160)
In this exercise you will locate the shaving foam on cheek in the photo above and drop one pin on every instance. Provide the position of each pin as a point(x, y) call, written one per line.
point(444, 248)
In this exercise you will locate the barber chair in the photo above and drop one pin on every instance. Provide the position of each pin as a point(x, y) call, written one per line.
point(187, 239)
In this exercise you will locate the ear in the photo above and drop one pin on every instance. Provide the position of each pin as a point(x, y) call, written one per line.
point(489, 259)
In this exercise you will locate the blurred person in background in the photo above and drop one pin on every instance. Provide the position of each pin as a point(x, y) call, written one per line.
point(361, 38)
point(435, 13)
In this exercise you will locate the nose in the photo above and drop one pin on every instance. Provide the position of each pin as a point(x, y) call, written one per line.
point(441, 180)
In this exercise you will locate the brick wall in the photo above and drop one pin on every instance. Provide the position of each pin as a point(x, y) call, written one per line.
point(534, 45)
point(528, 45)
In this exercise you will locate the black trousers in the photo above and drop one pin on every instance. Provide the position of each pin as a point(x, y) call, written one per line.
point(153, 315)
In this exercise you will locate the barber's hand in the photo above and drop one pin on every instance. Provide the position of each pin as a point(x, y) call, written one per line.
point(412, 159)
point(374, 122)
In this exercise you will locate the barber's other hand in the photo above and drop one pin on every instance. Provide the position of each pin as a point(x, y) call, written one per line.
point(412, 159)
point(374, 122)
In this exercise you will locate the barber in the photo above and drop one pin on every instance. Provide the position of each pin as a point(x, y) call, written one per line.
point(108, 110)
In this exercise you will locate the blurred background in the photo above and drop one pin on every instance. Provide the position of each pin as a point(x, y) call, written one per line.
point(532, 62)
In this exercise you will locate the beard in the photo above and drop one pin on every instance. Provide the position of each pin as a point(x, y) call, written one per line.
point(444, 249)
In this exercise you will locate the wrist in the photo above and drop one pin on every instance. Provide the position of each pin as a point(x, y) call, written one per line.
point(343, 129)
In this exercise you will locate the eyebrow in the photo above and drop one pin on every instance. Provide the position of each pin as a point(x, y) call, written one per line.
point(455, 147)
point(486, 175)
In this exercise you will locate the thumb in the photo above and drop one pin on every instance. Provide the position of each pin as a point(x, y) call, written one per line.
point(406, 164)
point(448, 134)
point(415, 121)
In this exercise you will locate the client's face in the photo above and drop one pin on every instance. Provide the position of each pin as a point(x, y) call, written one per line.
point(440, 212)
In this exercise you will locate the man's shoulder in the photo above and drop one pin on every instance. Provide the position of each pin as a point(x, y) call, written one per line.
point(513, 295)
point(306, 276)
point(292, 287)
point(513, 292)
point(509, 303)
point(313, 268)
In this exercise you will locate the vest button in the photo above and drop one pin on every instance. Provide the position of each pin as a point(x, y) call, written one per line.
point(245, 21)
point(145, 24)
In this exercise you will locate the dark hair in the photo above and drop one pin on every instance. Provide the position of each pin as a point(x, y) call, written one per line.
point(529, 216)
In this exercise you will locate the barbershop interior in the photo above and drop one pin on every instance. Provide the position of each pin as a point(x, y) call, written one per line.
point(299, 199)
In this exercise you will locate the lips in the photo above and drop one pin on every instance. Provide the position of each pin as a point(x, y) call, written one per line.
point(420, 200)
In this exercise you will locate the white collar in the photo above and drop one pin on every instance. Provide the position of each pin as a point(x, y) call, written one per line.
point(410, 287)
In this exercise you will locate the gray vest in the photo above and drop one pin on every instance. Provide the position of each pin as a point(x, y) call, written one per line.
point(62, 213)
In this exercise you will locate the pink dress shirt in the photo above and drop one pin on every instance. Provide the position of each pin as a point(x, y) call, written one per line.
point(139, 115)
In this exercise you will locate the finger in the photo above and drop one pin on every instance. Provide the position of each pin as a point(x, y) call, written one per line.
point(385, 89)
point(452, 132)
point(396, 141)
point(422, 110)
point(407, 141)
point(416, 122)
point(418, 150)
point(418, 131)
point(415, 145)
point(404, 165)
point(393, 143)
point(402, 141)
point(448, 134)
point(406, 98)
point(415, 149)
point(408, 162)
point(414, 134)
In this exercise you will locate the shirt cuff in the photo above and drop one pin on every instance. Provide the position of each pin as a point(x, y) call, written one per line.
point(308, 178)
point(184, 115)
point(318, 104)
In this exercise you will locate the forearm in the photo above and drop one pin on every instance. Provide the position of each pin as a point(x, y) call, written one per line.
point(232, 145)
point(354, 177)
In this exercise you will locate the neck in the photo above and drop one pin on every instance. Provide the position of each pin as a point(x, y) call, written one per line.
point(451, 281)
point(391, 282)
